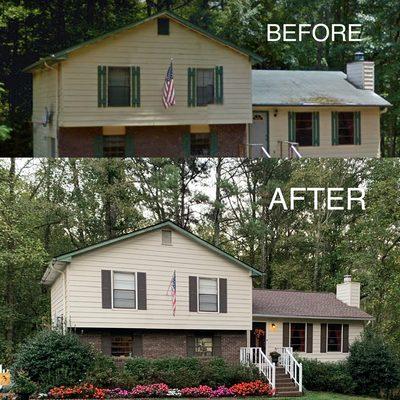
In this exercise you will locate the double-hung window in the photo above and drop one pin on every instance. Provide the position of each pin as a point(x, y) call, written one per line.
point(124, 290)
point(119, 87)
point(203, 346)
point(121, 346)
point(208, 294)
point(346, 127)
point(334, 338)
point(304, 128)
point(205, 86)
point(298, 337)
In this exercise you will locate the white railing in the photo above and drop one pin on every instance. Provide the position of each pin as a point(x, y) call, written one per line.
point(292, 366)
point(264, 151)
point(255, 356)
point(292, 149)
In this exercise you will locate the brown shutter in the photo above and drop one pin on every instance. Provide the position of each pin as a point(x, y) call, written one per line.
point(309, 338)
point(106, 288)
point(106, 344)
point(217, 348)
point(193, 293)
point(142, 292)
point(345, 338)
point(323, 338)
point(190, 345)
point(285, 339)
point(137, 346)
point(223, 296)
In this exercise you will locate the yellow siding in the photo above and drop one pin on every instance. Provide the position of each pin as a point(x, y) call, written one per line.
point(146, 254)
point(44, 95)
point(275, 337)
point(143, 47)
point(370, 133)
point(57, 299)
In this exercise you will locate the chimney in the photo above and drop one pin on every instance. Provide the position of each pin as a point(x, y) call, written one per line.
point(349, 292)
point(361, 73)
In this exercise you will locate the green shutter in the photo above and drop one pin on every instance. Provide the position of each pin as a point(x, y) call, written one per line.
point(315, 129)
point(135, 86)
point(129, 145)
point(335, 128)
point(213, 144)
point(98, 146)
point(186, 144)
point(101, 86)
point(192, 87)
point(357, 127)
point(219, 85)
point(291, 126)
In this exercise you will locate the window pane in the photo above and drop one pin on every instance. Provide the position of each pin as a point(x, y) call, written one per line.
point(203, 346)
point(200, 144)
point(114, 146)
point(298, 337)
point(119, 86)
point(124, 281)
point(124, 298)
point(208, 302)
point(121, 346)
point(208, 285)
point(304, 129)
point(346, 127)
point(334, 337)
point(205, 86)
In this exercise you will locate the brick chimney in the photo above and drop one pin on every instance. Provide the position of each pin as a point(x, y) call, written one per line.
point(361, 73)
point(349, 292)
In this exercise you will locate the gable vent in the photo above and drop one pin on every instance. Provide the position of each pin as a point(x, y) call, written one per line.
point(166, 237)
point(163, 26)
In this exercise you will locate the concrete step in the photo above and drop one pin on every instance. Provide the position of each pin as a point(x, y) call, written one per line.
point(287, 388)
point(288, 394)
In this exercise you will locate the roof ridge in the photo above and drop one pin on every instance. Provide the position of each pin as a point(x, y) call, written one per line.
point(294, 291)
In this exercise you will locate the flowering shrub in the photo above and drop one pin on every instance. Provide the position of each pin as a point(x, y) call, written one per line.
point(199, 391)
point(77, 392)
point(222, 391)
point(256, 388)
point(154, 390)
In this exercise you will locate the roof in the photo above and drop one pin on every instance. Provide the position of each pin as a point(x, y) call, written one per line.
point(312, 305)
point(310, 88)
point(66, 258)
point(63, 55)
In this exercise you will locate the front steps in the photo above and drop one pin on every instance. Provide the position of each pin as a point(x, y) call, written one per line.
point(285, 387)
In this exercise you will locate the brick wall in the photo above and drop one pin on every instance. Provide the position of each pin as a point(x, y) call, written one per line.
point(230, 346)
point(77, 142)
point(157, 345)
point(93, 339)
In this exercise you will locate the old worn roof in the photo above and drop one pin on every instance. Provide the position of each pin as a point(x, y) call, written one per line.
point(287, 303)
point(310, 88)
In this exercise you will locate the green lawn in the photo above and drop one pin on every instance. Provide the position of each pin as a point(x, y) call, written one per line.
point(330, 396)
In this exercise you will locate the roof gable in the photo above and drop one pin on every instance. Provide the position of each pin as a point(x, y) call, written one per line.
point(63, 55)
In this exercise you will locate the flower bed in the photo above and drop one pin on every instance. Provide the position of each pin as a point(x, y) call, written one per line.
point(159, 390)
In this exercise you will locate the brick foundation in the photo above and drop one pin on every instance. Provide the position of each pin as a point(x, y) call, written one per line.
point(152, 141)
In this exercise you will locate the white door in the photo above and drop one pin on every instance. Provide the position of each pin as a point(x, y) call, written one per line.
point(259, 135)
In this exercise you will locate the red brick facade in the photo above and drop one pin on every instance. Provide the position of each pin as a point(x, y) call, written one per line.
point(152, 141)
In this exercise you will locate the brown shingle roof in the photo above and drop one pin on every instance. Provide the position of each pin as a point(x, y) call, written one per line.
point(286, 303)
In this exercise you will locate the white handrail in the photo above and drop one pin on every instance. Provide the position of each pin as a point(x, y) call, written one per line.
point(292, 366)
point(254, 355)
point(263, 149)
point(294, 149)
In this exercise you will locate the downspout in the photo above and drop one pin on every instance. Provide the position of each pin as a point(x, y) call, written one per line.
point(384, 111)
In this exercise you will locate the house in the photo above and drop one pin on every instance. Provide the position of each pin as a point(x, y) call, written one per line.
point(103, 97)
point(115, 295)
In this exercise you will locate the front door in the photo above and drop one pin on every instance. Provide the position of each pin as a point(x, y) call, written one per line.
point(258, 335)
point(259, 135)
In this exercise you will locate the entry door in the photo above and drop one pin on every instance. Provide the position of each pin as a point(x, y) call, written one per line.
point(259, 134)
point(258, 335)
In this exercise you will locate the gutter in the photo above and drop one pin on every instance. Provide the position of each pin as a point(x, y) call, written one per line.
point(370, 318)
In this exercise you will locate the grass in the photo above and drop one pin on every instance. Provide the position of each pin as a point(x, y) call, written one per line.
point(331, 396)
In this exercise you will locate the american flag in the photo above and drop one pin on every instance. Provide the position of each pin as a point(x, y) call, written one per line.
point(168, 97)
point(172, 292)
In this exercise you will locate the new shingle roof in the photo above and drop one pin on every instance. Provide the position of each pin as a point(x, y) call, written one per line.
point(286, 303)
point(310, 88)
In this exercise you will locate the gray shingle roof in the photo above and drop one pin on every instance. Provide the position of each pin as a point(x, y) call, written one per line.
point(310, 88)
point(286, 303)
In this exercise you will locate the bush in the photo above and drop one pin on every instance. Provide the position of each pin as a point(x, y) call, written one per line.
point(77, 392)
point(52, 359)
point(257, 388)
point(103, 373)
point(23, 384)
point(327, 376)
point(373, 365)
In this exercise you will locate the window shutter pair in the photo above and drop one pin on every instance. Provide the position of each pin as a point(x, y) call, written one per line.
point(187, 139)
point(106, 292)
point(309, 336)
point(345, 338)
point(98, 146)
point(292, 127)
point(223, 295)
point(218, 82)
point(137, 347)
point(335, 128)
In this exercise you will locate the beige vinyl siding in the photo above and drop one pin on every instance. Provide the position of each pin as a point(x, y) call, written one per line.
point(370, 132)
point(145, 253)
point(57, 299)
point(143, 47)
point(44, 86)
point(275, 337)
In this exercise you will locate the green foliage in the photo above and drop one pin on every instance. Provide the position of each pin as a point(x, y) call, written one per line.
point(327, 376)
point(373, 365)
point(188, 372)
point(53, 359)
point(103, 372)
point(23, 384)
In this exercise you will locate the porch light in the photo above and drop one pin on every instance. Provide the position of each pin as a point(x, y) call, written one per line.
point(273, 327)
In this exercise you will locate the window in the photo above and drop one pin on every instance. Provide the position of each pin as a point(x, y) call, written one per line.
point(114, 146)
point(334, 337)
point(304, 129)
point(205, 86)
point(163, 26)
point(166, 237)
point(121, 346)
point(200, 144)
point(203, 346)
point(298, 337)
point(124, 290)
point(119, 87)
point(208, 294)
point(346, 127)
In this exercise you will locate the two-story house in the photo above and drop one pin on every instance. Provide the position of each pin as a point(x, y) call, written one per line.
point(117, 296)
point(103, 97)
